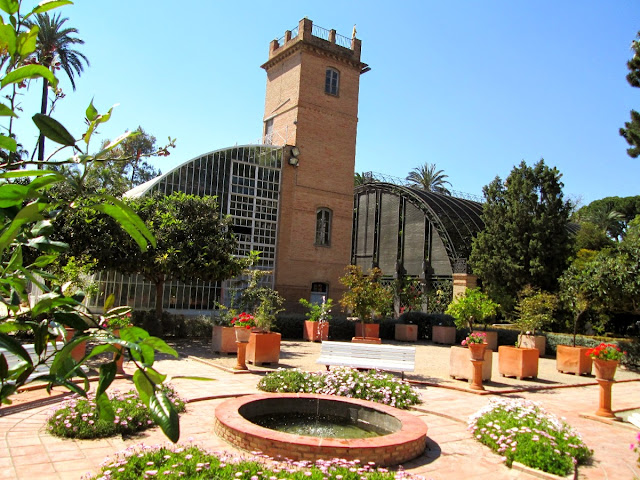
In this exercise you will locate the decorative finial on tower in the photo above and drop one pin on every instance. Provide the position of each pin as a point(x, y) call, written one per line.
point(353, 35)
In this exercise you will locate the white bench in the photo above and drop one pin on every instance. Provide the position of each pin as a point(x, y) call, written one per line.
point(391, 358)
point(13, 360)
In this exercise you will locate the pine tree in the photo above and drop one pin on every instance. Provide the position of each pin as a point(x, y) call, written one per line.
point(631, 132)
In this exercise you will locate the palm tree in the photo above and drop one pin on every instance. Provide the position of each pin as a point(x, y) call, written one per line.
point(429, 179)
point(54, 50)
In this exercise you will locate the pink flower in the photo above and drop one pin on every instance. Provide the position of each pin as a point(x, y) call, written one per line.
point(464, 342)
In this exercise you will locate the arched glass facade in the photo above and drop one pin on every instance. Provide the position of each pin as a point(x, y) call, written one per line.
point(246, 182)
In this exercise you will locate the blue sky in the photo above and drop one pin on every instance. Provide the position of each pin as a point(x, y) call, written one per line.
point(474, 87)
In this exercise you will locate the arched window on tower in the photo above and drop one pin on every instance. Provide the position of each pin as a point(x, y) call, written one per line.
point(332, 81)
point(323, 227)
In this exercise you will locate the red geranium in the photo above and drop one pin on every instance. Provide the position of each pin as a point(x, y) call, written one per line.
point(606, 351)
point(245, 320)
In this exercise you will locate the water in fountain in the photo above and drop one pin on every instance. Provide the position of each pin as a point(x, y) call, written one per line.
point(316, 426)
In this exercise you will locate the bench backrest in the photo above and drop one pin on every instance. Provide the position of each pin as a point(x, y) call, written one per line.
point(368, 351)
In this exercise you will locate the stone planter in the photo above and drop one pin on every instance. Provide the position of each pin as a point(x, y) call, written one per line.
point(263, 348)
point(573, 360)
point(518, 362)
point(443, 335)
point(315, 331)
point(492, 339)
point(223, 339)
point(460, 366)
point(533, 341)
point(406, 332)
point(367, 333)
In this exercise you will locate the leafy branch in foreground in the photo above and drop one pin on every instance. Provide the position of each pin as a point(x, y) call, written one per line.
point(27, 210)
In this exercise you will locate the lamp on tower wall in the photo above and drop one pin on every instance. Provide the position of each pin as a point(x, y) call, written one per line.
point(294, 153)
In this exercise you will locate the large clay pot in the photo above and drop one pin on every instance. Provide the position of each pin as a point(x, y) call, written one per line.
point(367, 330)
point(242, 334)
point(79, 350)
point(223, 339)
point(518, 362)
point(444, 335)
point(573, 360)
point(605, 369)
point(460, 366)
point(263, 348)
point(315, 331)
point(405, 332)
point(477, 350)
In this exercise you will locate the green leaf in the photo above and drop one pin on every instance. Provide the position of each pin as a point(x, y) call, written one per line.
point(26, 44)
point(157, 377)
point(6, 391)
point(12, 194)
point(53, 130)
point(44, 181)
point(72, 320)
point(4, 366)
point(10, 6)
point(12, 346)
point(41, 338)
point(45, 244)
point(50, 5)
point(27, 72)
point(129, 221)
point(164, 414)
point(105, 409)
point(6, 111)
point(189, 377)
point(133, 334)
point(160, 345)
point(8, 39)
point(29, 173)
point(108, 303)
point(56, 380)
point(91, 112)
point(107, 375)
point(8, 143)
point(30, 213)
point(144, 387)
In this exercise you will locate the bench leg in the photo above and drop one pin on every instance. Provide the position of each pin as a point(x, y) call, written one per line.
point(327, 367)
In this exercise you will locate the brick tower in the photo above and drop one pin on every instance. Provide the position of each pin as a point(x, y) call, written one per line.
point(311, 105)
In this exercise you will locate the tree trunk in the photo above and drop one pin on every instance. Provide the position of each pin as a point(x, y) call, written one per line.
point(43, 111)
point(159, 299)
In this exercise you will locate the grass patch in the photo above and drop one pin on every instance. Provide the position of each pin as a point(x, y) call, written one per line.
point(371, 385)
point(192, 462)
point(78, 417)
point(522, 431)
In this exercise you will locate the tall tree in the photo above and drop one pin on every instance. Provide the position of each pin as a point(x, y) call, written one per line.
point(54, 50)
point(631, 130)
point(611, 214)
point(193, 242)
point(427, 178)
point(525, 240)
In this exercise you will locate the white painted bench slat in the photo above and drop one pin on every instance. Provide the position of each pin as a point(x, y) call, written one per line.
point(362, 355)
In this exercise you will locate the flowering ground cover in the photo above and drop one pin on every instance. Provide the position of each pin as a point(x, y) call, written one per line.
point(192, 462)
point(522, 431)
point(78, 417)
point(371, 385)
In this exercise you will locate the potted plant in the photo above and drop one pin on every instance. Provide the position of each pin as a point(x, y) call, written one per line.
point(606, 358)
point(223, 335)
point(264, 345)
point(316, 326)
point(243, 324)
point(459, 359)
point(366, 296)
point(409, 298)
point(534, 310)
point(473, 306)
point(574, 294)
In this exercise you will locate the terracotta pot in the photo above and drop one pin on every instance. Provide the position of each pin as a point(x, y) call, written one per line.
point(461, 367)
point(573, 360)
point(371, 330)
point(263, 348)
point(371, 340)
point(119, 361)
point(533, 341)
point(518, 362)
point(477, 350)
point(406, 332)
point(605, 369)
point(443, 335)
point(242, 334)
point(315, 331)
point(223, 339)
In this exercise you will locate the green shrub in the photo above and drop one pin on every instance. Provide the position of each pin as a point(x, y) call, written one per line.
point(521, 431)
point(371, 385)
point(78, 417)
point(192, 462)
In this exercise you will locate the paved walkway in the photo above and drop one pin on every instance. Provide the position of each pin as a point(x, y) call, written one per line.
point(27, 450)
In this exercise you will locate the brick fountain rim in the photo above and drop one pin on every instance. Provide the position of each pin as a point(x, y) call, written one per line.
point(408, 442)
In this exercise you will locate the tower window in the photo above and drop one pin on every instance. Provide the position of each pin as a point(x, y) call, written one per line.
point(319, 293)
point(268, 132)
point(323, 227)
point(332, 81)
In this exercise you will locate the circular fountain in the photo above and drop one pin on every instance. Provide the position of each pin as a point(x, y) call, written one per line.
point(391, 436)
